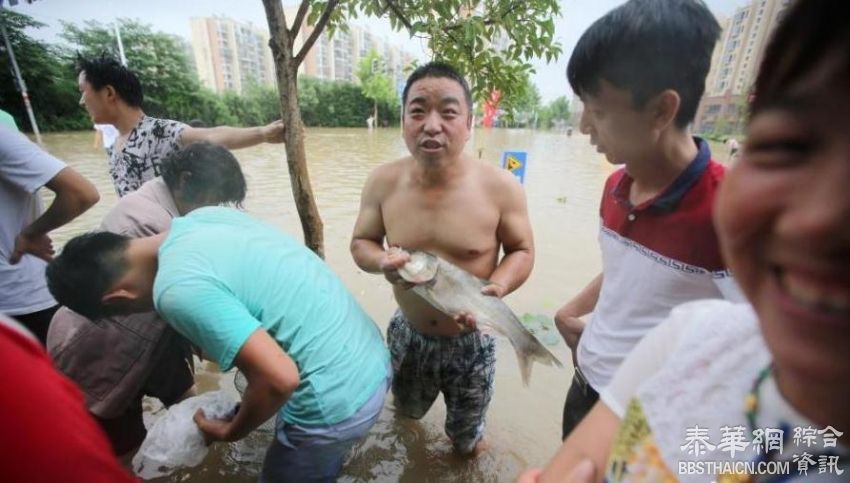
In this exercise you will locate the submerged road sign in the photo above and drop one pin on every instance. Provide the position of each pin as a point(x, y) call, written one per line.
point(515, 162)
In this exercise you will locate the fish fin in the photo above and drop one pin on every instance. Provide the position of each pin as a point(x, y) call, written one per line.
point(524, 367)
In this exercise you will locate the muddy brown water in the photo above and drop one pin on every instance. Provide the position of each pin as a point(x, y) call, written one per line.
point(563, 182)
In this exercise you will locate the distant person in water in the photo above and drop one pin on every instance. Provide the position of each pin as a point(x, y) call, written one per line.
point(733, 145)
point(112, 94)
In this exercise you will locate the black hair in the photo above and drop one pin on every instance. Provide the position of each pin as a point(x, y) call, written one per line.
point(107, 71)
point(810, 32)
point(212, 175)
point(87, 268)
point(438, 70)
point(646, 47)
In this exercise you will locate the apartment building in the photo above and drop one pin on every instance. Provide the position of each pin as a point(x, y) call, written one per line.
point(337, 58)
point(230, 55)
point(734, 65)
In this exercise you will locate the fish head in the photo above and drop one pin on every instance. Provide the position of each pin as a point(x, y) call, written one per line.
point(421, 269)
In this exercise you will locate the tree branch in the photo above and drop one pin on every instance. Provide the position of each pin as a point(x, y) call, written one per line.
point(398, 13)
point(299, 17)
point(277, 29)
point(492, 20)
point(317, 30)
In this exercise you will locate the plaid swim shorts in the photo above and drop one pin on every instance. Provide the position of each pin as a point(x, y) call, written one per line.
point(461, 367)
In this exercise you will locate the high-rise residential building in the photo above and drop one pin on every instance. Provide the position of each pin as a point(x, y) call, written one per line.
point(337, 58)
point(734, 65)
point(230, 55)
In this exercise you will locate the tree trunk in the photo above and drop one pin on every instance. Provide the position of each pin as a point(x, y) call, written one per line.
point(376, 113)
point(296, 158)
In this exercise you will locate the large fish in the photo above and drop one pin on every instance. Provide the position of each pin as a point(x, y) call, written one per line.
point(452, 290)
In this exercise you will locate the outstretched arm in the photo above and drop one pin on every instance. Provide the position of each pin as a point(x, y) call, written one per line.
point(210, 316)
point(74, 195)
point(589, 445)
point(272, 378)
point(235, 137)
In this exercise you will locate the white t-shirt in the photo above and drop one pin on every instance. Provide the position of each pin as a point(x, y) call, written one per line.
point(109, 135)
point(24, 168)
point(655, 256)
point(696, 369)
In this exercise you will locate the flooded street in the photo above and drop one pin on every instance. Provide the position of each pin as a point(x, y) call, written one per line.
point(564, 178)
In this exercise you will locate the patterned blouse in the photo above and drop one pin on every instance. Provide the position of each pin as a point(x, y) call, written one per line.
point(138, 160)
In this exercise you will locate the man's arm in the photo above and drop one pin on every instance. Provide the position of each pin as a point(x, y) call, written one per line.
point(567, 318)
point(514, 233)
point(592, 440)
point(234, 137)
point(210, 316)
point(272, 378)
point(74, 195)
point(367, 247)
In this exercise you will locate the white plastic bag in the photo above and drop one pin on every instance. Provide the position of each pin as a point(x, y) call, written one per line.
point(174, 441)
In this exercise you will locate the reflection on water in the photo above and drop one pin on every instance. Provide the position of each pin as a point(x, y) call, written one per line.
point(563, 182)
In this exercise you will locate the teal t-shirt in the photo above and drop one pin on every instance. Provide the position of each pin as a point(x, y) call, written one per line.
point(8, 120)
point(222, 275)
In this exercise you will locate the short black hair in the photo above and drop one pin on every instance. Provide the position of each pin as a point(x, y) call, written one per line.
point(646, 47)
point(214, 176)
point(105, 70)
point(810, 32)
point(437, 69)
point(86, 269)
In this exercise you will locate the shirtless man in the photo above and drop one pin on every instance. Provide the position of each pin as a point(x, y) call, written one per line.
point(444, 201)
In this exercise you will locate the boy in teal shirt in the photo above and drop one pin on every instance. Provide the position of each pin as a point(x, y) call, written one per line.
point(253, 298)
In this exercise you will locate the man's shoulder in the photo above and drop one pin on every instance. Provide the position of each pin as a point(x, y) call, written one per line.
point(393, 168)
point(160, 128)
point(612, 180)
point(143, 212)
point(495, 177)
point(709, 181)
point(387, 175)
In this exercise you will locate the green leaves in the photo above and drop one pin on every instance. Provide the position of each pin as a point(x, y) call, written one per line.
point(375, 83)
point(492, 41)
point(559, 109)
point(49, 76)
point(161, 60)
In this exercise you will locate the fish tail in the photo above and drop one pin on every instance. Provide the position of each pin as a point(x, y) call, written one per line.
point(525, 361)
point(545, 356)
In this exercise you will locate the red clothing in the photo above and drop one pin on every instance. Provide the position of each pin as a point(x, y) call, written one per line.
point(47, 435)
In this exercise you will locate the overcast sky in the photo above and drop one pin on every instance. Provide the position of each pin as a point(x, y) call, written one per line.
point(173, 16)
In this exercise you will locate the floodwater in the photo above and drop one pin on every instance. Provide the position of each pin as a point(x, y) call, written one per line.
point(564, 178)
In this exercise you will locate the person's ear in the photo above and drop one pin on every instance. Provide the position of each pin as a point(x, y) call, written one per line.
point(118, 296)
point(111, 94)
point(664, 108)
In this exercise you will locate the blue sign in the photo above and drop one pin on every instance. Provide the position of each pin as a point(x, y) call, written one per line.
point(515, 162)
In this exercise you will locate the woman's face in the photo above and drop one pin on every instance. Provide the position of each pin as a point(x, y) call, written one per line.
point(783, 218)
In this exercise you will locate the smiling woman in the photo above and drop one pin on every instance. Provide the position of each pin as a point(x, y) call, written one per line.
point(724, 392)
